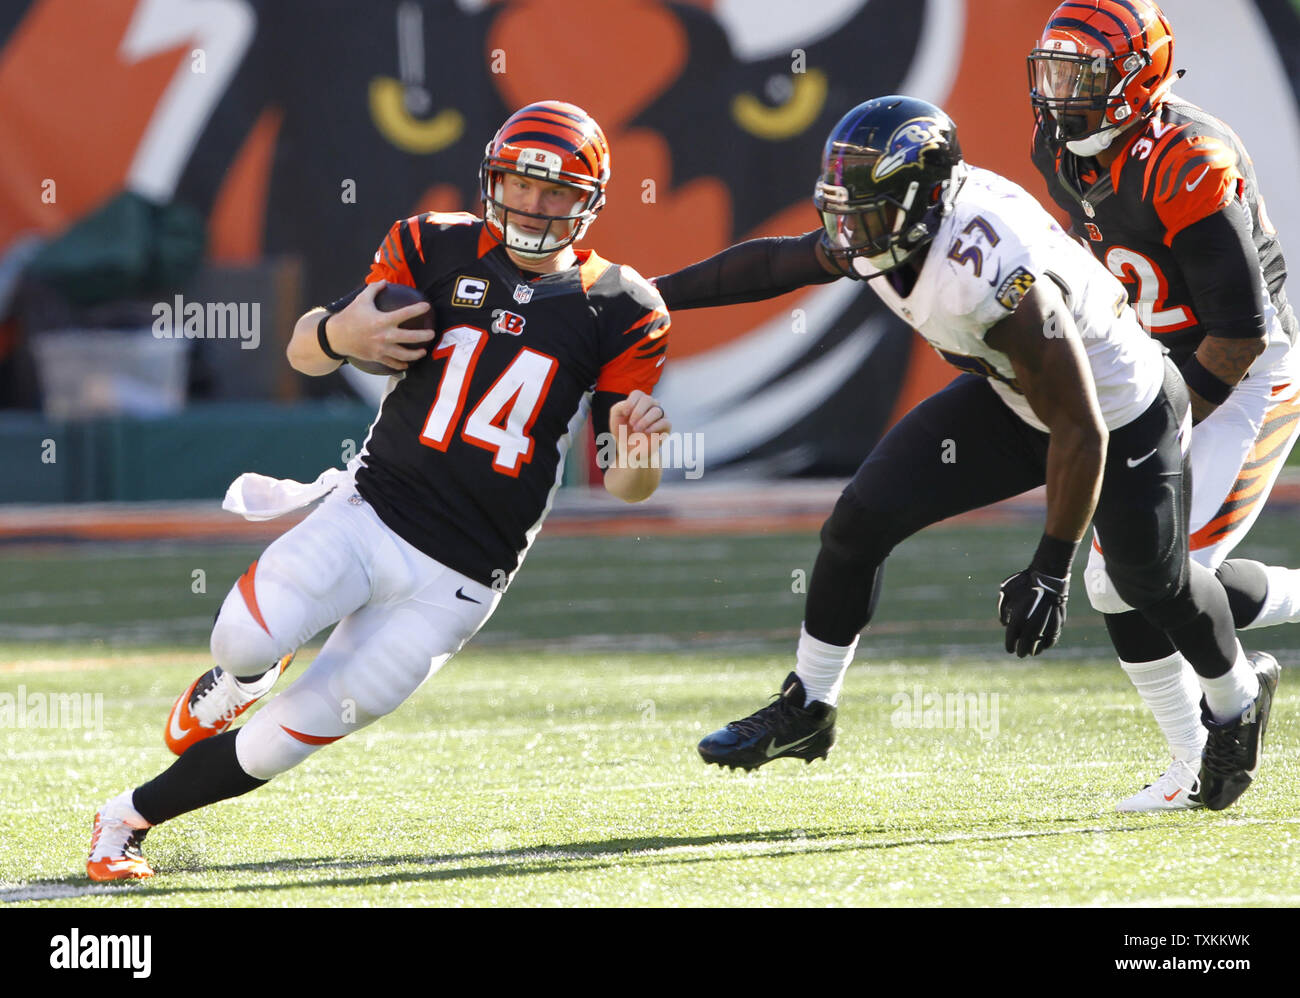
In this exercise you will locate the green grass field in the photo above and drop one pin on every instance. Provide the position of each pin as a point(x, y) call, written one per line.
point(553, 763)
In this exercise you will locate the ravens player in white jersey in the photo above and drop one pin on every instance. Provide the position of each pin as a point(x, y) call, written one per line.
point(1063, 388)
point(411, 555)
point(1165, 196)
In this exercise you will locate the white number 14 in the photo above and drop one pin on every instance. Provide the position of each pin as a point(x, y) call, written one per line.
point(501, 421)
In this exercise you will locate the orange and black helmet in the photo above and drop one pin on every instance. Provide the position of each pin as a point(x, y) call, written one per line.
point(1113, 56)
point(554, 142)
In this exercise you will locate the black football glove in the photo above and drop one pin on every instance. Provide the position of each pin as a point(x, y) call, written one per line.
point(1031, 604)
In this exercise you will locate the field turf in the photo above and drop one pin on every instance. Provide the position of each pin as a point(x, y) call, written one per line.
point(552, 763)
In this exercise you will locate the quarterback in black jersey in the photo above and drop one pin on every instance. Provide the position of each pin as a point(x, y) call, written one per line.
point(418, 539)
point(1165, 196)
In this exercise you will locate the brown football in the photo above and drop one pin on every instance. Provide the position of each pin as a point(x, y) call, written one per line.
point(391, 297)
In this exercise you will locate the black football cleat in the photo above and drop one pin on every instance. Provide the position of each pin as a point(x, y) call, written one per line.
point(1232, 750)
point(784, 727)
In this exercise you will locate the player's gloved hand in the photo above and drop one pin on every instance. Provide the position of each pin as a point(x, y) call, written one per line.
point(1031, 604)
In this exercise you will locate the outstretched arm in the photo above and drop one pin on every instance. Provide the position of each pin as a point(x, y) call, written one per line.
point(749, 271)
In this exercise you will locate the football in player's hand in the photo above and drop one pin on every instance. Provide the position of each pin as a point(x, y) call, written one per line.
point(390, 298)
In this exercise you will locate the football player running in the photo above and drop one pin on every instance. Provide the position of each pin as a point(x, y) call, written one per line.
point(1165, 196)
point(412, 549)
point(1063, 388)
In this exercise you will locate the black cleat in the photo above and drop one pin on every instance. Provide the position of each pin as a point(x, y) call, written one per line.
point(784, 727)
point(1232, 751)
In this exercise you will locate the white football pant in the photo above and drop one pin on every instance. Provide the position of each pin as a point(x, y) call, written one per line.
point(400, 616)
point(1236, 455)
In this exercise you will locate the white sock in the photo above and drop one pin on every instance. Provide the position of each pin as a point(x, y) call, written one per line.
point(1169, 688)
point(122, 808)
point(821, 667)
point(1229, 695)
point(1282, 600)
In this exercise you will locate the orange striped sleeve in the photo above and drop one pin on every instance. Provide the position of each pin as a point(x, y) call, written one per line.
point(1195, 179)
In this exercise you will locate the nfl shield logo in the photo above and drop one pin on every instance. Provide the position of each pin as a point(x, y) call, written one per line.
point(523, 294)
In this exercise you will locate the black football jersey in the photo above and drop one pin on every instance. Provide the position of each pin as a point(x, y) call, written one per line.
point(1179, 167)
point(469, 443)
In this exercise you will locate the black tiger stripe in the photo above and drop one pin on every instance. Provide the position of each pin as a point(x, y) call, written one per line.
point(542, 120)
point(1083, 28)
point(1183, 171)
point(555, 140)
point(409, 250)
point(385, 255)
point(584, 151)
point(1271, 427)
point(1232, 505)
point(1137, 19)
point(558, 112)
point(652, 349)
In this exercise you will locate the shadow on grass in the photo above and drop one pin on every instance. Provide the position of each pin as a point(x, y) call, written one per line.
point(538, 860)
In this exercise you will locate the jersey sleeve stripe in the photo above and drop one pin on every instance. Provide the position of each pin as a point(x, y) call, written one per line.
point(413, 226)
point(1178, 170)
point(658, 313)
point(1156, 154)
point(637, 366)
point(390, 262)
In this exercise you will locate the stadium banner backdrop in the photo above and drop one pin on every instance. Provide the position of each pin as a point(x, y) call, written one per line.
point(307, 126)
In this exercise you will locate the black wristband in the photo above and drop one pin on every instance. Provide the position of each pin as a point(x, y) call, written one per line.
point(1054, 556)
point(323, 340)
point(1203, 383)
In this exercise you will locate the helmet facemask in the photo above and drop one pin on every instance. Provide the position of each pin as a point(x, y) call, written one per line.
point(870, 236)
point(559, 231)
point(1116, 86)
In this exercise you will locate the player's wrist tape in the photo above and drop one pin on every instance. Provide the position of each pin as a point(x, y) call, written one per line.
point(1203, 383)
point(1054, 557)
point(323, 340)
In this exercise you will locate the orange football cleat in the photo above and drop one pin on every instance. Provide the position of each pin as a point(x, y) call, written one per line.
point(115, 852)
point(212, 702)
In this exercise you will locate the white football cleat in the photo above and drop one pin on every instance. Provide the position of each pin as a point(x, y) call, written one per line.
point(115, 843)
point(1177, 789)
point(211, 703)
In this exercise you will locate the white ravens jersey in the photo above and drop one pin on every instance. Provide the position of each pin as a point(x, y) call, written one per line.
point(995, 243)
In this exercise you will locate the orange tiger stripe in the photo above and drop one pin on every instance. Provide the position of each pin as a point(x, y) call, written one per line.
point(310, 739)
point(1247, 486)
point(1213, 531)
point(658, 313)
point(249, 592)
point(1201, 149)
point(1275, 438)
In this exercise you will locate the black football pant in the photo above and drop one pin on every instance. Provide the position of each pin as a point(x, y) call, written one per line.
point(963, 449)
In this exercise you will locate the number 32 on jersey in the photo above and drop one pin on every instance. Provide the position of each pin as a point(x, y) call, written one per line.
point(501, 421)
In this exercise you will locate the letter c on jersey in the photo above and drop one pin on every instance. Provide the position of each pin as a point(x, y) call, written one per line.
point(470, 292)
